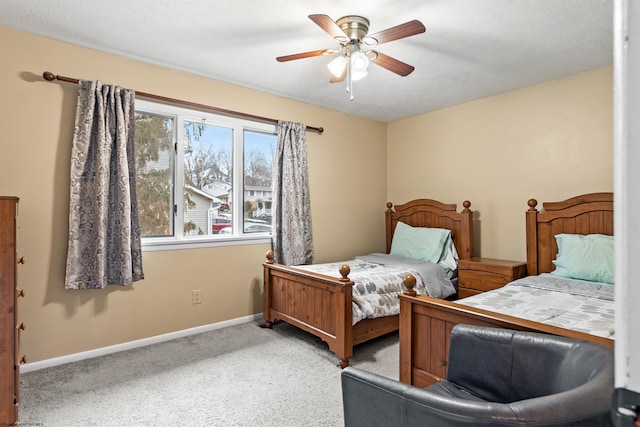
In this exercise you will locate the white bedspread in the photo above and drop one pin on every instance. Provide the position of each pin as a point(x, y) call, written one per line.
point(572, 304)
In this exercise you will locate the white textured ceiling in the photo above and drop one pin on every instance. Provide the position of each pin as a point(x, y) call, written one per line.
point(471, 48)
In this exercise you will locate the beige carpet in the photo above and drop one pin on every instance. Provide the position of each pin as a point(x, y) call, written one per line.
point(236, 376)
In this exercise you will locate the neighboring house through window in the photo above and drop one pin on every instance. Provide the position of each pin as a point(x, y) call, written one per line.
point(198, 176)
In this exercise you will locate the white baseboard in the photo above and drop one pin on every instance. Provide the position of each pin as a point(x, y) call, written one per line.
point(47, 363)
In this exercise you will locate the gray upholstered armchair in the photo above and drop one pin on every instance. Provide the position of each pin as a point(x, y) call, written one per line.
point(495, 377)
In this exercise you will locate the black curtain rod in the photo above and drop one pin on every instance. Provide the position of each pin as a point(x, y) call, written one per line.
point(49, 76)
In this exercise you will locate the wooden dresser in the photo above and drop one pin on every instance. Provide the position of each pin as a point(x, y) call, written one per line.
point(9, 359)
point(476, 275)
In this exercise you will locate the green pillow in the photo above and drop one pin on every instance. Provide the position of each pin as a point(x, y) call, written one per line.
point(424, 244)
point(586, 257)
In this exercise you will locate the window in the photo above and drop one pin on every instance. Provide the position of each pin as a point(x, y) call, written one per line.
point(199, 174)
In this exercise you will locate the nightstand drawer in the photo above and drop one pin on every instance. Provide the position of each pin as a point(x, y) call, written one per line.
point(483, 280)
point(477, 275)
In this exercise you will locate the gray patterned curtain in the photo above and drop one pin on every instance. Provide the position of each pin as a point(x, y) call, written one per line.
point(292, 238)
point(104, 233)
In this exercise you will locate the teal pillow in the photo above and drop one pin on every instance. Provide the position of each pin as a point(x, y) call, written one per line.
point(586, 257)
point(421, 243)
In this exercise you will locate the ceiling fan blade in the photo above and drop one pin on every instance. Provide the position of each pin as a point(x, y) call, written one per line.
point(304, 55)
point(329, 26)
point(392, 64)
point(401, 31)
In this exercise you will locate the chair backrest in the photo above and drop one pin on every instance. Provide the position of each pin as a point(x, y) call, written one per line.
point(504, 366)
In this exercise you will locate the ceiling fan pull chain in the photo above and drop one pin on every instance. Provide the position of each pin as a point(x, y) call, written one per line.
point(349, 79)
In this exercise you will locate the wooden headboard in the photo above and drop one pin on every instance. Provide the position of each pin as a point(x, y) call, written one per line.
point(585, 214)
point(432, 213)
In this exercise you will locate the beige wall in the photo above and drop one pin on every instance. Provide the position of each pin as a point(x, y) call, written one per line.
point(36, 119)
point(549, 142)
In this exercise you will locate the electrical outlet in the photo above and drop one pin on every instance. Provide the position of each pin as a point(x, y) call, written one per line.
point(196, 296)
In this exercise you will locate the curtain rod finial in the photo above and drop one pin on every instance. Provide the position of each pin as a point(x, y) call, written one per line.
point(49, 76)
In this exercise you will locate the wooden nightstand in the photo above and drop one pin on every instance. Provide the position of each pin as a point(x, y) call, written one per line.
point(476, 275)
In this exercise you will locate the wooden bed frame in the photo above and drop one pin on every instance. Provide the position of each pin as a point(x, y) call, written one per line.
point(426, 323)
point(322, 305)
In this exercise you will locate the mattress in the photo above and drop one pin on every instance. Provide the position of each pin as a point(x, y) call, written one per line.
point(567, 303)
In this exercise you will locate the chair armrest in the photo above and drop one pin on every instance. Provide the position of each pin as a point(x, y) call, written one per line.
point(370, 400)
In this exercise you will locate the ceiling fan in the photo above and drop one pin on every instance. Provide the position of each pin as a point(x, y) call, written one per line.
point(355, 52)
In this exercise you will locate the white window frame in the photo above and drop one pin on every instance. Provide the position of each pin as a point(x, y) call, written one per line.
point(180, 115)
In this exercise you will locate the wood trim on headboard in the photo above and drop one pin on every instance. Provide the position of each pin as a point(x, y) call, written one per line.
point(432, 213)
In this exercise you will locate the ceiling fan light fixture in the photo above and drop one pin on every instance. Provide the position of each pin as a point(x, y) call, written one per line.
point(359, 62)
point(337, 65)
point(357, 75)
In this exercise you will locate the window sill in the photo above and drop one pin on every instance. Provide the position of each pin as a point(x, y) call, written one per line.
point(172, 244)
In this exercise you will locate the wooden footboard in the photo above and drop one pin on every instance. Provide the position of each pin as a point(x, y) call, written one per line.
point(321, 305)
point(425, 328)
